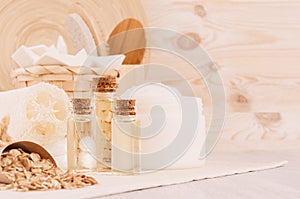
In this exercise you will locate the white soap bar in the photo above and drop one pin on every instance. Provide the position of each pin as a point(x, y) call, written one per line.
point(24, 57)
point(61, 59)
point(61, 45)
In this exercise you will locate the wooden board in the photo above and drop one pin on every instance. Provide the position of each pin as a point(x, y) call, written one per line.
point(255, 43)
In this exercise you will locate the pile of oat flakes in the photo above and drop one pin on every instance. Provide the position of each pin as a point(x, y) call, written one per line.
point(28, 171)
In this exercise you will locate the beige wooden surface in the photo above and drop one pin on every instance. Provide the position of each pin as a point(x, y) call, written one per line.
point(256, 44)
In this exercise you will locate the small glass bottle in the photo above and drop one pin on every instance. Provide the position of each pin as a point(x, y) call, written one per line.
point(125, 138)
point(81, 146)
point(104, 89)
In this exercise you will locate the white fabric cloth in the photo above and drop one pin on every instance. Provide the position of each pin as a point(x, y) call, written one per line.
point(277, 183)
point(218, 164)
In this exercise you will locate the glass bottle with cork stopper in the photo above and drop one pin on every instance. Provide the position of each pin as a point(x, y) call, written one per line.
point(125, 138)
point(104, 88)
point(81, 147)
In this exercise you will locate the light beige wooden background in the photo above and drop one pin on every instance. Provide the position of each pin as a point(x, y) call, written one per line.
point(256, 43)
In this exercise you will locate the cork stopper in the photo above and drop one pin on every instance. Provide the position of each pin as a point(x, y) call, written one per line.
point(125, 107)
point(105, 84)
point(82, 106)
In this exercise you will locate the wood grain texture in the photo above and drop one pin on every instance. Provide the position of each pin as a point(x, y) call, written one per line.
point(36, 22)
point(255, 43)
point(128, 38)
point(267, 126)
